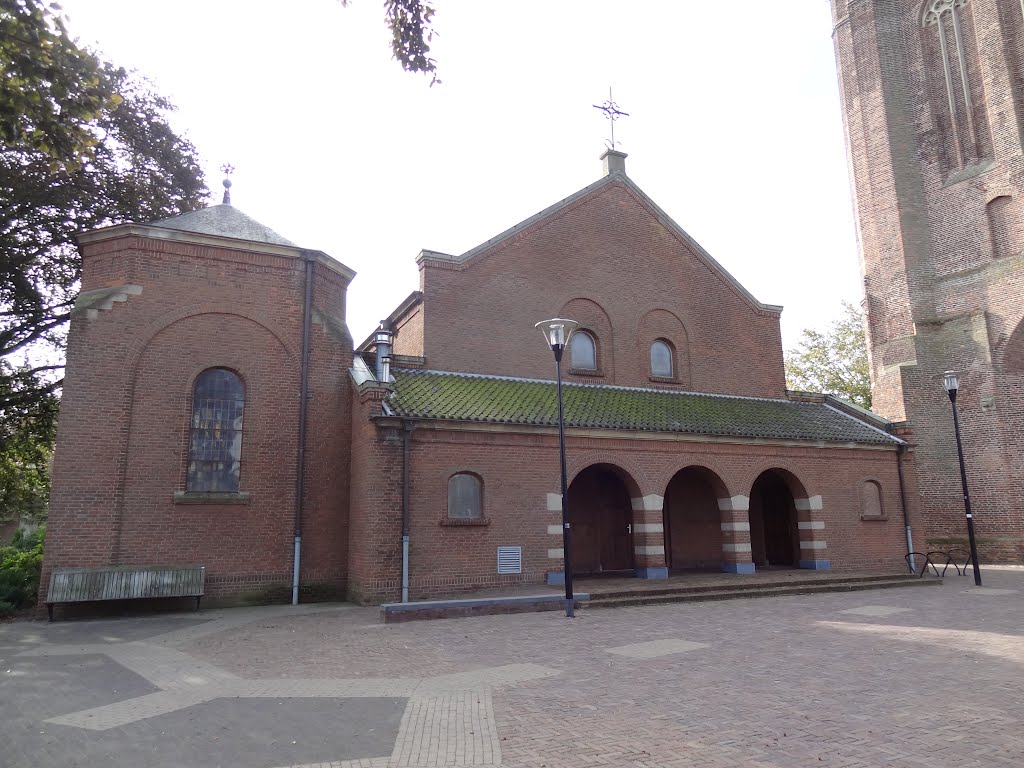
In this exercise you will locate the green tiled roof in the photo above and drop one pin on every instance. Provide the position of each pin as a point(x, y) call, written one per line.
point(501, 400)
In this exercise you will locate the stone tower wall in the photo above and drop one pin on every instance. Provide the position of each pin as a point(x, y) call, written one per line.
point(933, 100)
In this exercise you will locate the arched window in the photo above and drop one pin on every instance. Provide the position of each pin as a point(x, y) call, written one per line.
point(661, 359)
point(215, 437)
point(583, 351)
point(945, 17)
point(465, 497)
point(870, 499)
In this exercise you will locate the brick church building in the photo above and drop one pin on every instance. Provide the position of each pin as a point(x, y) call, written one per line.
point(217, 412)
point(933, 100)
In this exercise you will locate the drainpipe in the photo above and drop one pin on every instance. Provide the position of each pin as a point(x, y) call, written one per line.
point(407, 433)
point(300, 485)
point(900, 450)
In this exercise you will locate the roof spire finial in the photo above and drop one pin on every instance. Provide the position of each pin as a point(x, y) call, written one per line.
point(612, 112)
point(227, 169)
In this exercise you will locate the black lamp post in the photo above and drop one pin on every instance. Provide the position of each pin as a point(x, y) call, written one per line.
point(556, 333)
point(952, 385)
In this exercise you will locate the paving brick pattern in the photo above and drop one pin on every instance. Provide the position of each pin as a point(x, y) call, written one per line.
point(902, 677)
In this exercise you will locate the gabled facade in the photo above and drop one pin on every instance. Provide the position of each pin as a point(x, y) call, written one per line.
point(181, 432)
point(684, 447)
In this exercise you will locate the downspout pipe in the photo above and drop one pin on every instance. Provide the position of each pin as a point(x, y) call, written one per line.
point(900, 450)
point(300, 463)
point(407, 428)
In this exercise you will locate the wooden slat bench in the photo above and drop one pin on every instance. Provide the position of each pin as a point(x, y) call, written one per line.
point(79, 585)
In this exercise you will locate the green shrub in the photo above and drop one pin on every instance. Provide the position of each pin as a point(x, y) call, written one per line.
point(20, 564)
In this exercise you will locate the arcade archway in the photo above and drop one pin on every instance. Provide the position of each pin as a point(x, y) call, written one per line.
point(693, 528)
point(601, 521)
point(774, 531)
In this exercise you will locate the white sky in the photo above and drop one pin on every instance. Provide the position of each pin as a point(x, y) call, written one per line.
point(734, 127)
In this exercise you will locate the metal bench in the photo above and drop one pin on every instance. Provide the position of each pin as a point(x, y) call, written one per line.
point(80, 585)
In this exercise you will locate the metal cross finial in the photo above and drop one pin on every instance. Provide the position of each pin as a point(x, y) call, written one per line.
point(612, 112)
point(227, 169)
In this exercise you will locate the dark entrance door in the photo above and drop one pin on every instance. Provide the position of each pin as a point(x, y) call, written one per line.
point(773, 519)
point(600, 516)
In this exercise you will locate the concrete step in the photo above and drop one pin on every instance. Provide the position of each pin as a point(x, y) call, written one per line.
point(806, 588)
point(767, 583)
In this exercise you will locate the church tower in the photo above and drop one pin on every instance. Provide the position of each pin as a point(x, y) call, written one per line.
point(933, 106)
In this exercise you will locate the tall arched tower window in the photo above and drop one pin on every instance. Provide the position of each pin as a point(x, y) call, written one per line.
point(956, 49)
point(215, 436)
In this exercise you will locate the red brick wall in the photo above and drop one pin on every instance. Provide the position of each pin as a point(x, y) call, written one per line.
point(518, 470)
point(122, 441)
point(409, 334)
point(608, 262)
point(941, 244)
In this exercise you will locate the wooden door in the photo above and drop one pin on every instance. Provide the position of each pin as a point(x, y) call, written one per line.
point(617, 538)
point(600, 517)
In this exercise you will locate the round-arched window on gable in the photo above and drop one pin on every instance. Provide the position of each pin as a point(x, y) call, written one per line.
point(583, 351)
point(661, 359)
point(215, 434)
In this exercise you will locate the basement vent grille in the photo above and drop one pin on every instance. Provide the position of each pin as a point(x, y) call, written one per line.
point(510, 559)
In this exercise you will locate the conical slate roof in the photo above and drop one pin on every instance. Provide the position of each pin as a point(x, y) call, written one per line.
point(224, 221)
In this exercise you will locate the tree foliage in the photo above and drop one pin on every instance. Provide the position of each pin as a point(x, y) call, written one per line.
point(27, 430)
point(412, 31)
point(834, 361)
point(85, 144)
point(50, 89)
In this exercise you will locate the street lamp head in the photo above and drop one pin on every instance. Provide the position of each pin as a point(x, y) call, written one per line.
point(557, 332)
point(951, 383)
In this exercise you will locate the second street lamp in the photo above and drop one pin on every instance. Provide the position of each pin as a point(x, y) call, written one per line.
point(952, 385)
point(556, 333)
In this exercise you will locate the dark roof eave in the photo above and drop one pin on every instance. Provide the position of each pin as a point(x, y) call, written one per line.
point(893, 443)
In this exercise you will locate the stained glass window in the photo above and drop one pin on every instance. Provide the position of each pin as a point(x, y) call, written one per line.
point(215, 439)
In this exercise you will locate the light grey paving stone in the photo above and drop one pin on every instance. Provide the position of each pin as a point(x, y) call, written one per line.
point(653, 649)
point(875, 610)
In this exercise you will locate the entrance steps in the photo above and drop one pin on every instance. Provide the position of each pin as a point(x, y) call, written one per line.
point(766, 587)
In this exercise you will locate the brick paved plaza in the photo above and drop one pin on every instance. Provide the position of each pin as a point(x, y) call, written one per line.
point(900, 677)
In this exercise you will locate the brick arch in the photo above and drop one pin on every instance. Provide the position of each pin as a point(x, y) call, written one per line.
point(664, 324)
point(205, 359)
point(148, 332)
point(796, 486)
point(723, 483)
point(1013, 351)
point(636, 479)
point(592, 317)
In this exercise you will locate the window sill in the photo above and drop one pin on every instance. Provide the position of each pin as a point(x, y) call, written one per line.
point(881, 518)
point(192, 497)
point(663, 379)
point(460, 522)
point(586, 372)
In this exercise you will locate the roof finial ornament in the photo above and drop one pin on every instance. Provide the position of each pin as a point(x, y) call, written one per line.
point(227, 169)
point(612, 112)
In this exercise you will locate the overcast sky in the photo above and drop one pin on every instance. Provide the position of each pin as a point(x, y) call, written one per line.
point(734, 128)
